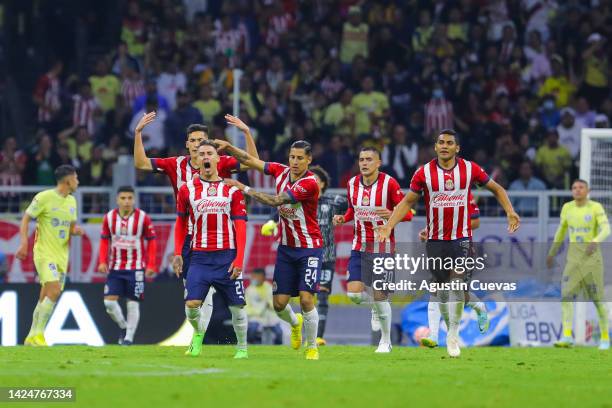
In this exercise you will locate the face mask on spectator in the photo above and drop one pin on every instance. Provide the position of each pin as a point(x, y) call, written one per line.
point(549, 104)
point(437, 93)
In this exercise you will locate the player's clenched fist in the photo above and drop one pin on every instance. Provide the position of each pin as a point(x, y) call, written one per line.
point(514, 222)
point(103, 268)
point(22, 251)
point(177, 265)
point(423, 235)
point(234, 271)
point(338, 219)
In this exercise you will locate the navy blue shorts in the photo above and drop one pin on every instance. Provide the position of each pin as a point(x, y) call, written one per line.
point(368, 267)
point(186, 254)
point(125, 283)
point(297, 269)
point(210, 268)
point(453, 249)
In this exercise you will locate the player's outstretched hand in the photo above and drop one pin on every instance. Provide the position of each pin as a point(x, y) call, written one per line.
point(22, 251)
point(234, 183)
point(234, 271)
point(145, 120)
point(514, 222)
point(382, 233)
point(235, 121)
point(383, 213)
point(149, 273)
point(221, 144)
point(550, 261)
point(177, 265)
point(423, 235)
point(103, 268)
point(338, 220)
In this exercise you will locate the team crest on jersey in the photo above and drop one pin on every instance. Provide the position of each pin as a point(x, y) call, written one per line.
point(588, 218)
point(449, 184)
point(366, 200)
point(123, 229)
point(212, 190)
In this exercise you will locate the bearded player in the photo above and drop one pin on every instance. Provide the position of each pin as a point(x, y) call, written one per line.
point(181, 169)
point(218, 217)
point(127, 228)
point(372, 195)
point(446, 183)
point(298, 261)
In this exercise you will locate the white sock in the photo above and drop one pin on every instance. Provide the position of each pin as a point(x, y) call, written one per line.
point(133, 316)
point(193, 316)
point(240, 323)
point(433, 317)
point(383, 309)
point(475, 303)
point(288, 315)
point(206, 310)
point(455, 305)
point(114, 311)
point(44, 313)
point(443, 305)
point(311, 325)
point(35, 315)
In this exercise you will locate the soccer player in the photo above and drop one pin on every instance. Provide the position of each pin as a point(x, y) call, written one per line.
point(298, 261)
point(218, 217)
point(371, 197)
point(127, 228)
point(588, 226)
point(55, 212)
point(433, 307)
point(181, 169)
point(446, 182)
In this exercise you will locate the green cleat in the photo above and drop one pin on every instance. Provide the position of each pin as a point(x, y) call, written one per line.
point(429, 343)
point(241, 353)
point(565, 342)
point(195, 349)
point(483, 321)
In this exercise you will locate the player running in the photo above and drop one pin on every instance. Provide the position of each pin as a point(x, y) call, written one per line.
point(588, 226)
point(298, 261)
point(55, 212)
point(433, 307)
point(446, 184)
point(181, 169)
point(218, 217)
point(127, 228)
point(371, 197)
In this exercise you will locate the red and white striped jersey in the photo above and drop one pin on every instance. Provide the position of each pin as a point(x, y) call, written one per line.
point(48, 90)
point(132, 89)
point(127, 237)
point(447, 197)
point(82, 112)
point(299, 227)
point(259, 180)
point(211, 207)
point(363, 202)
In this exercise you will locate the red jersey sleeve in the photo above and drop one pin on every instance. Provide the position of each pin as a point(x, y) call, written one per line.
point(395, 193)
point(349, 215)
point(149, 229)
point(417, 184)
point(227, 165)
point(303, 190)
point(165, 165)
point(274, 169)
point(182, 202)
point(473, 210)
point(479, 176)
point(106, 234)
point(238, 206)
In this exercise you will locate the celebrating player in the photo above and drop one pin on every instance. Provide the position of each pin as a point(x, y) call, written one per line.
point(446, 183)
point(471, 300)
point(218, 217)
point(371, 196)
point(55, 212)
point(181, 169)
point(588, 226)
point(298, 261)
point(127, 228)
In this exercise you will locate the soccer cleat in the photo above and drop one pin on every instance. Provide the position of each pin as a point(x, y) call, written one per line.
point(39, 340)
point(241, 354)
point(483, 321)
point(122, 333)
point(296, 332)
point(321, 341)
point(312, 353)
point(29, 341)
point(452, 346)
point(604, 345)
point(429, 343)
point(565, 342)
point(196, 345)
point(126, 342)
point(375, 321)
point(384, 348)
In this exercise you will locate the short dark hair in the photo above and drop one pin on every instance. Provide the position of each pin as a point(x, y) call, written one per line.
point(450, 132)
point(63, 171)
point(370, 149)
point(259, 271)
point(197, 127)
point(302, 144)
point(207, 142)
point(583, 181)
point(322, 174)
point(125, 189)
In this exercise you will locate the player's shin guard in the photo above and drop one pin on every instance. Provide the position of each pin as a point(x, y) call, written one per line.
point(193, 316)
point(602, 312)
point(311, 321)
point(114, 311)
point(433, 317)
point(240, 323)
point(288, 315)
point(383, 309)
point(567, 318)
point(133, 316)
point(44, 313)
point(323, 307)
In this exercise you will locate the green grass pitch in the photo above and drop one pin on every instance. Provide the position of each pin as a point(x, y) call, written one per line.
point(345, 376)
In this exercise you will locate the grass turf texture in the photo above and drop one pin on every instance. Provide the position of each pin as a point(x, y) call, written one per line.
point(346, 376)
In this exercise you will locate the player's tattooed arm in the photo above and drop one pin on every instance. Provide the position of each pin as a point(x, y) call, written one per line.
point(268, 199)
point(245, 159)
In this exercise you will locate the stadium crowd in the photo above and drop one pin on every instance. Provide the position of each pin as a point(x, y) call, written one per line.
point(517, 79)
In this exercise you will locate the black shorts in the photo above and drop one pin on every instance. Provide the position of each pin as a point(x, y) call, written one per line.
point(327, 276)
point(445, 257)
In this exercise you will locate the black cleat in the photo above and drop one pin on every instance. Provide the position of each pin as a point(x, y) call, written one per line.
point(122, 334)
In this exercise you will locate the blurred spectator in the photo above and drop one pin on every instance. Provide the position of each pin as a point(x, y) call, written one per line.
point(558, 84)
point(340, 116)
point(41, 162)
point(554, 161)
point(79, 143)
point(170, 81)
point(336, 159)
point(123, 61)
point(177, 122)
point(601, 121)
point(105, 86)
point(132, 86)
point(354, 37)
point(526, 206)
point(569, 131)
point(584, 115)
point(264, 325)
point(208, 106)
point(47, 95)
point(371, 107)
point(85, 108)
point(93, 172)
point(151, 93)
point(549, 114)
point(596, 75)
point(399, 158)
point(438, 112)
point(153, 136)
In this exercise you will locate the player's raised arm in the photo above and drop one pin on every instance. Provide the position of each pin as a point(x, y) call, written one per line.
point(251, 147)
point(514, 221)
point(141, 161)
point(268, 199)
point(243, 157)
point(399, 213)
